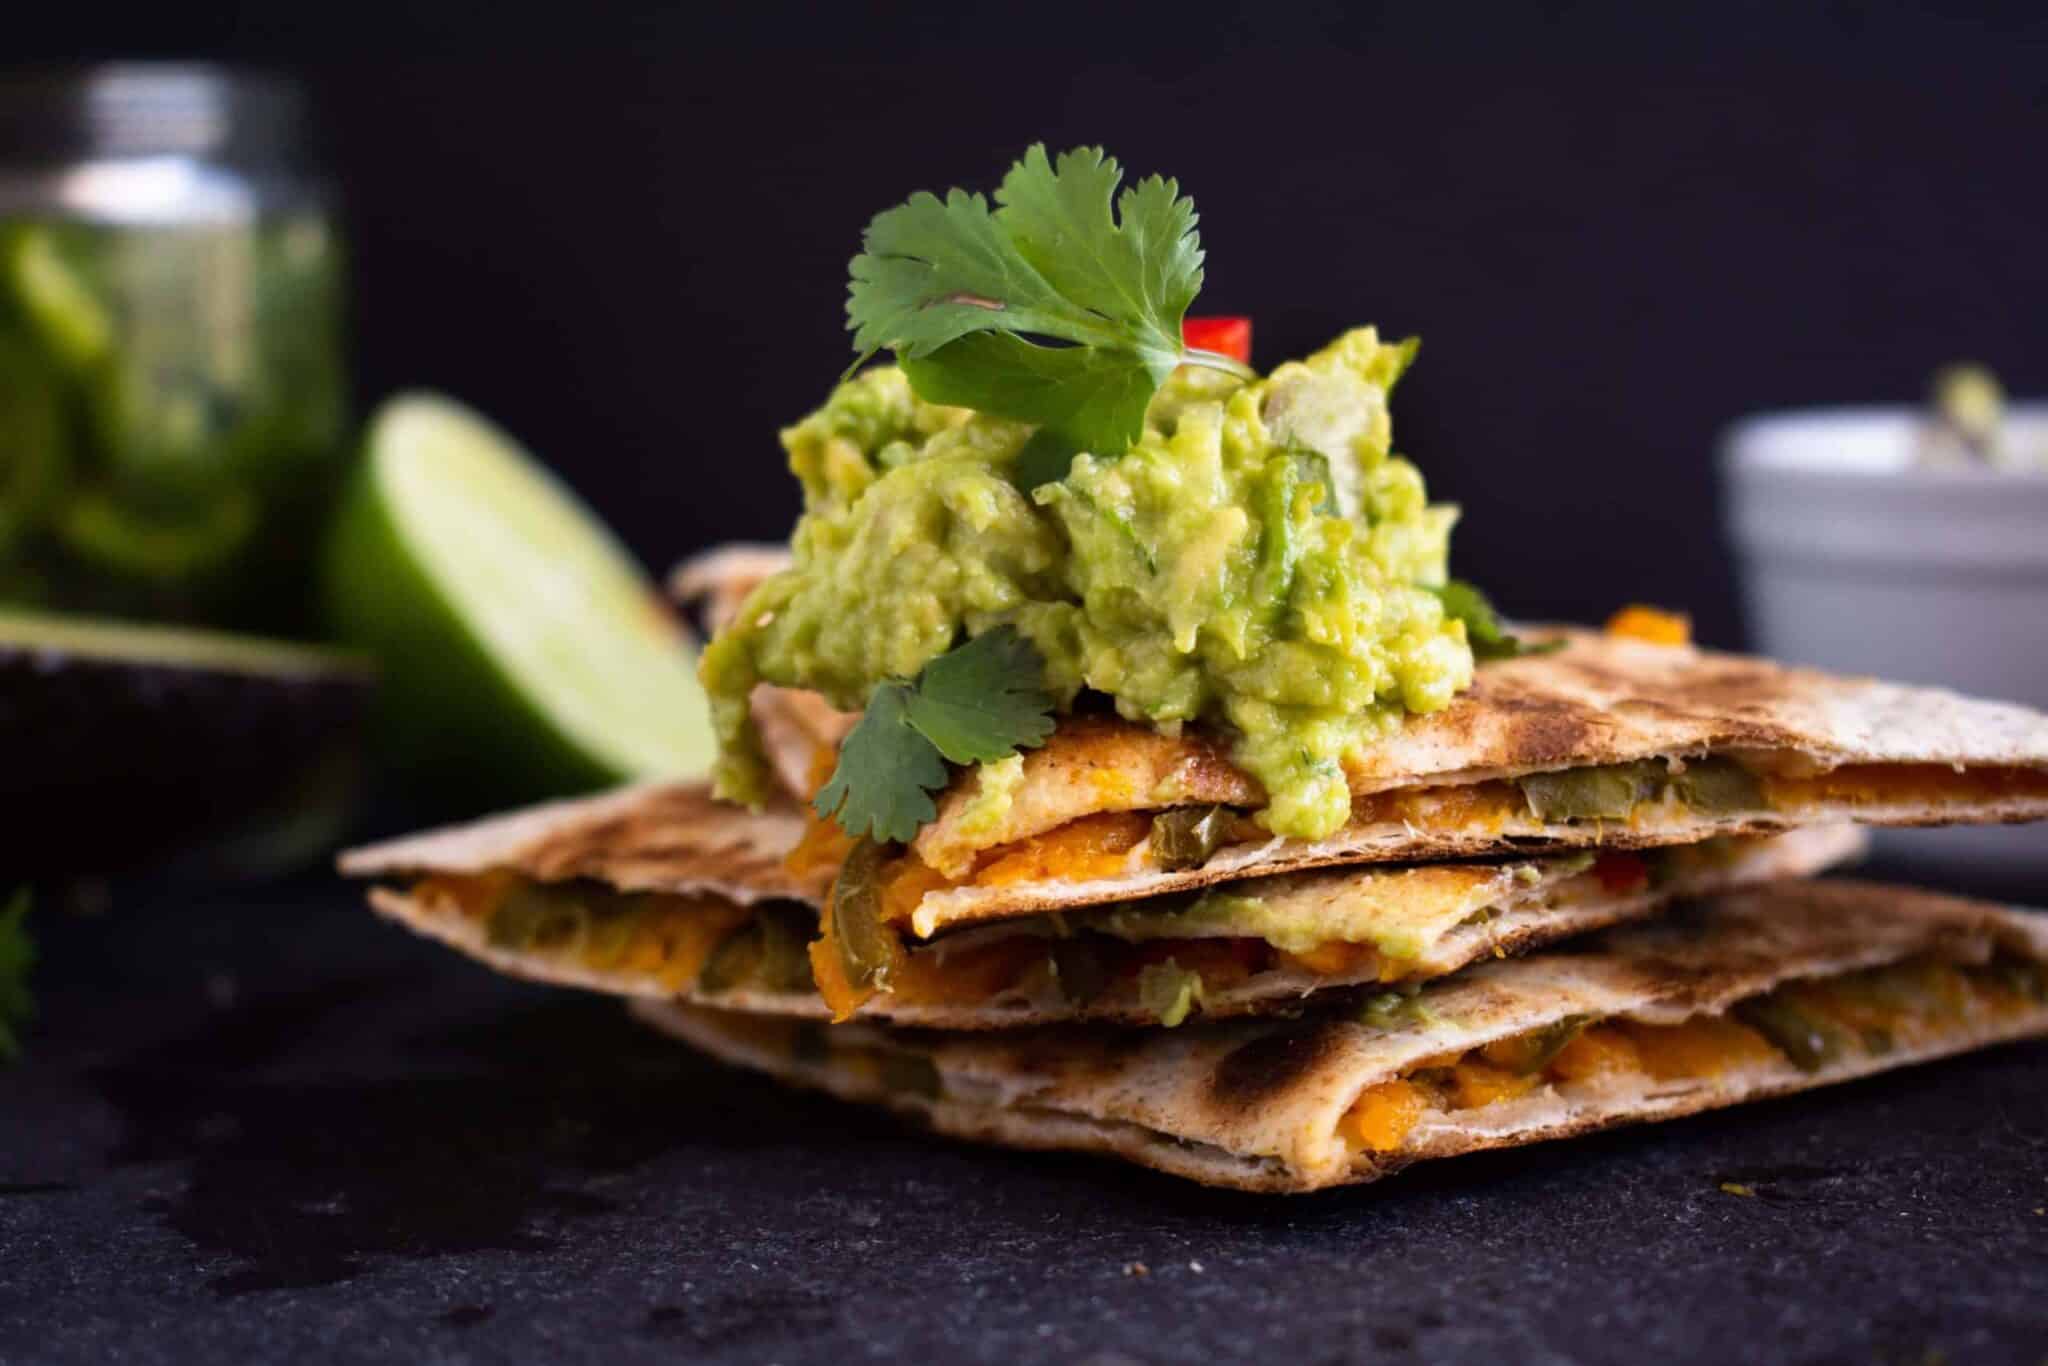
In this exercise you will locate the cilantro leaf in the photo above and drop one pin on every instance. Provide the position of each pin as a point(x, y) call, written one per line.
point(882, 784)
point(1068, 389)
point(984, 700)
point(17, 956)
point(1045, 459)
point(931, 271)
point(978, 702)
point(1490, 640)
point(966, 295)
point(1142, 271)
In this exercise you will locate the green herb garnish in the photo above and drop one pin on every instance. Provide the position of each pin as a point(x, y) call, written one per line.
point(17, 956)
point(968, 297)
point(1483, 630)
point(978, 702)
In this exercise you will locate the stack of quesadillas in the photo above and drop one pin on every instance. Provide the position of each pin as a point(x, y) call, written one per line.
point(1578, 896)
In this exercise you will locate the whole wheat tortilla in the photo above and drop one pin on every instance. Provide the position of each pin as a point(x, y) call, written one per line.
point(1455, 915)
point(1600, 701)
point(1256, 1104)
point(655, 837)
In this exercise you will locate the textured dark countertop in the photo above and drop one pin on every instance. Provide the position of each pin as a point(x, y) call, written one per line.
point(260, 1126)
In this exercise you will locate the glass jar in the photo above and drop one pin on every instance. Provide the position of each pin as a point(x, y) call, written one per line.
point(173, 398)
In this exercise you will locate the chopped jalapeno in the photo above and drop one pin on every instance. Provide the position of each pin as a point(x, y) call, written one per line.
point(1395, 1006)
point(736, 959)
point(1185, 836)
point(1808, 1040)
point(769, 952)
point(786, 933)
point(1718, 785)
point(1606, 793)
point(610, 934)
point(1531, 1052)
point(868, 949)
point(537, 916)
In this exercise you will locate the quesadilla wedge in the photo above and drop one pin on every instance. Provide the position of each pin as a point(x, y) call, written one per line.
point(1753, 994)
point(1608, 742)
point(1263, 944)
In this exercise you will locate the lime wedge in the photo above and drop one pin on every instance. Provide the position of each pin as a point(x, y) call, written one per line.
point(524, 652)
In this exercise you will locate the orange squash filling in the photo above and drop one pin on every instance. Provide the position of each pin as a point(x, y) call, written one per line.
point(1079, 851)
point(667, 938)
point(1383, 1116)
point(1638, 621)
point(1905, 785)
point(1874, 1010)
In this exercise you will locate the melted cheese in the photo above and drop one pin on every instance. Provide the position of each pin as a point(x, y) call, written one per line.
point(1914, 785)
point(1705, 1046)
point(1918, 1001)
point(1382, 1117)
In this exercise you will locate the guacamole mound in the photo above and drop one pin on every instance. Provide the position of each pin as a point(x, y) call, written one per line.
point(1259, 559)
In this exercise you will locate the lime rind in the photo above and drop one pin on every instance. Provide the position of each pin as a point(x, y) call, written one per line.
point(518, 639)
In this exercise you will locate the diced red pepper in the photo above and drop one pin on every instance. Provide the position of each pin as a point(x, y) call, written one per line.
point(1621, 873)
point(1230, 337)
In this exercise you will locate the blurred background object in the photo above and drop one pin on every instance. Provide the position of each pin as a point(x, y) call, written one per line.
point(173, 398)
point(1857, 553)
point(623, 232)
point(131, 746)
point(524, 654)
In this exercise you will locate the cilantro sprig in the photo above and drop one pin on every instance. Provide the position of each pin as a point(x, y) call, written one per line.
point(17, 956)
point(978, 702)
point(1061, 306)
point(1489, 638)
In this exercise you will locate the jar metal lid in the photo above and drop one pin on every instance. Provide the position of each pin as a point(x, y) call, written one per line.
point(128, 110)
point(152, 143)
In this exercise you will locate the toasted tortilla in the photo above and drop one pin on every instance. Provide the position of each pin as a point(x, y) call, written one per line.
point(653, 837)
point(1268, 1105)
point(1827, 749)
point(1266, 946)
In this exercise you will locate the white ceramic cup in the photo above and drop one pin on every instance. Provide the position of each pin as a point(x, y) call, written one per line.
point(1854, 558)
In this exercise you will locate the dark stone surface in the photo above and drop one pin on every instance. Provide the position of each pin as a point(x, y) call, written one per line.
point(259, 1127)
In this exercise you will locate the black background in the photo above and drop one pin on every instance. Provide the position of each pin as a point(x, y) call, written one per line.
point(622, 231)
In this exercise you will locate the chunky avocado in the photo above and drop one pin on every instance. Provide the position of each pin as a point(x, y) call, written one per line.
point(126, 744)
point(1259, 560)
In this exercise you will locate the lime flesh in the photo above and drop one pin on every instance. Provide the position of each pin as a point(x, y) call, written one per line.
point(524, 652)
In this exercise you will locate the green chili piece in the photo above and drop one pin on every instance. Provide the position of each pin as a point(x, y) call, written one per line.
point(1809, 1041)
point(1718, 786)
point(867, 947)
point(1609, 792)
point(1185, 836)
